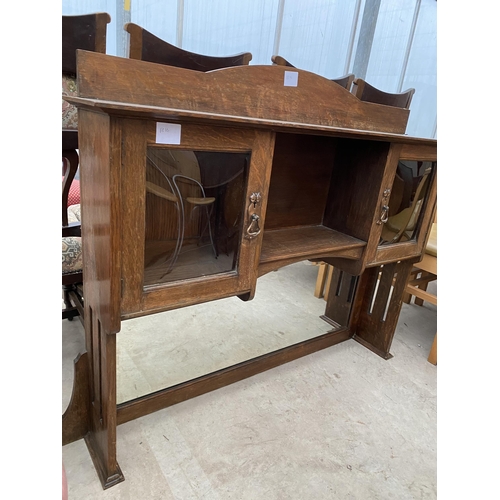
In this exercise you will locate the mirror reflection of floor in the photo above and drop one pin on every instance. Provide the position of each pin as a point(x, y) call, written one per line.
point(342, 416)
point(157, 351)
point(165, 349)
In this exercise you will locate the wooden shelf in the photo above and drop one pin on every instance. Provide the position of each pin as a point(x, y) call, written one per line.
point(307, 242)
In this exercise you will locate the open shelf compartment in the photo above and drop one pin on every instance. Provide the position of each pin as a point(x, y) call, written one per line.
point(306, 242)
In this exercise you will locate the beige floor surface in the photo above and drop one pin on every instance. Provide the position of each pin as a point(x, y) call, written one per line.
point(341, 423)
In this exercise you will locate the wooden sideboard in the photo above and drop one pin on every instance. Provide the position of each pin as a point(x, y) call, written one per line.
point(293, 166)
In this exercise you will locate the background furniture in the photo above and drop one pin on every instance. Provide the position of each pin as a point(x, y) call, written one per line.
point(401, 225)
point(333, 211)
point(147, 47)
point(366, 92)
point(422, 274)
point(78, 32)
point(344, 81)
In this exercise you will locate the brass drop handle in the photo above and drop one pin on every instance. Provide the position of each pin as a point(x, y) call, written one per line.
point(384, 215)
point(253, 229)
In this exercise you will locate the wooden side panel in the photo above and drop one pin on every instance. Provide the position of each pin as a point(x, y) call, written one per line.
point(377, 305)
point(247, 91)
point(340, 298)
point(355, 184)
point(302, 168)
point(383, 199)
point(101, 438)
point(133, 204)
point(100, 201)
point(258, 181)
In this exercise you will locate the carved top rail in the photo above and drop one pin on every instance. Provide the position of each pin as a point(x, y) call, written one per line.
point(260, 94)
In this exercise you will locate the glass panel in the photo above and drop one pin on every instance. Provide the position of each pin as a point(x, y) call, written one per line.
point(194, 213)
point(407, 201)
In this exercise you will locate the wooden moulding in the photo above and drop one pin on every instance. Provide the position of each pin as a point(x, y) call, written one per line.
point(256, 92)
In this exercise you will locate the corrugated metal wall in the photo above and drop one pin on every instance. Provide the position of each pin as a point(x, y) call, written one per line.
point(391, 43)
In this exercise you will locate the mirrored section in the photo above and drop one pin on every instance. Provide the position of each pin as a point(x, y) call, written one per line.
point(407, 201)
point(194, 213)
point(161, 350)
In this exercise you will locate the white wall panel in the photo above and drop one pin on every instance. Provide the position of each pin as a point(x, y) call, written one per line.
point(389, 43)
point(421, 72)
point(157, 16)
point(227, 27)
point(315, 35)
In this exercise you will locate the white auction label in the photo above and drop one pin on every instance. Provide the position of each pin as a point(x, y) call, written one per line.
point(168, 133)
point(291, 78)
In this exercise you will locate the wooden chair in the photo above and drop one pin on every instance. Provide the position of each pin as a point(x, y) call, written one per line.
point(344, 81)
point(421, 275)
point(366, 92)
point(86, 32)
point(147, 47)
point(323, 280)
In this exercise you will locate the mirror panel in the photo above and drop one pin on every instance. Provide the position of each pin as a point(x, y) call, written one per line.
point(161, 350)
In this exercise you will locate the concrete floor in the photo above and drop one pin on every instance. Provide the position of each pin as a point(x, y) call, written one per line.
point(341, 423)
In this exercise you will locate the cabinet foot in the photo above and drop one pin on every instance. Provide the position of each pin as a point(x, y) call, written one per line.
point(109, 474)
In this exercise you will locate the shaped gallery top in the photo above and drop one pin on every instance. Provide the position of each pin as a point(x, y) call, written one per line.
point(271, 97)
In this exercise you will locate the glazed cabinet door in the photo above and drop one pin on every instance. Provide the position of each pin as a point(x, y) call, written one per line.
point(193, 202)
point(407, 204)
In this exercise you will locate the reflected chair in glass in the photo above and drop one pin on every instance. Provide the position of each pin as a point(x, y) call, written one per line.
point(147, 47)
point(154, 188)
point(174, 176)
point(368, 93)
point(196, 203)
point(400, 227)
point(344, 81)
